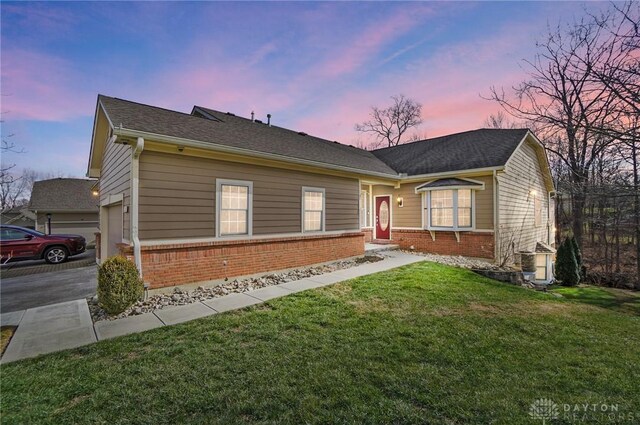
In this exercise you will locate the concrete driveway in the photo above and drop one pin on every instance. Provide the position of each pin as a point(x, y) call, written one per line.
point(35, 290)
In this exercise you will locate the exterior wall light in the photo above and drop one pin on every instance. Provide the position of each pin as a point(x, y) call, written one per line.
point(400, 201)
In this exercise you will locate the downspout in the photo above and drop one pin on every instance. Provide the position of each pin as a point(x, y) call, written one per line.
point(549, 228)
point(496, 218)
point(135, 186)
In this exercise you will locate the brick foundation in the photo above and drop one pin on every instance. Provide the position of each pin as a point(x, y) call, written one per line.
point(479, 245)
point(368, 235)
point(176, 264)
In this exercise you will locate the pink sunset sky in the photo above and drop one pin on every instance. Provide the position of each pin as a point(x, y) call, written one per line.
point(316, 67)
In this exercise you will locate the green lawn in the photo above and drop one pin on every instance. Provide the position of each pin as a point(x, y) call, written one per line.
point(421, 344)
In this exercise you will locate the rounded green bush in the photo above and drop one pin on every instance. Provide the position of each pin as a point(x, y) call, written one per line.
point(119, 285)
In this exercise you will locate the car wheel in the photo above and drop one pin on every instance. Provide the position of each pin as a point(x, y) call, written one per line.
point(55, 255)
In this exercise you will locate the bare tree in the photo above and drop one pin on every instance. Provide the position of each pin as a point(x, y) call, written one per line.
point(9, 182)
point(619, 71)
point(417, 136)
point(390, 124)
point(566, 104)
point(499, 120)
point(14, 191)
point(361, 144)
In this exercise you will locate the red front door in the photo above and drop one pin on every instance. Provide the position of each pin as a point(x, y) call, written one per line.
point(383, 217)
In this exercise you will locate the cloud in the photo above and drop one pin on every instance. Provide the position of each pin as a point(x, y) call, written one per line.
point(448, 82)
point(367, 45)
point(38, 86)
point(261, 53)
point(40, 17)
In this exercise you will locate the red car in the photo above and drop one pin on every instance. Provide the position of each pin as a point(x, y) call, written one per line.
point(18, 243)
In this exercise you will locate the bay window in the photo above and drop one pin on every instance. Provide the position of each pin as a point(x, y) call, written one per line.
point(450, 209)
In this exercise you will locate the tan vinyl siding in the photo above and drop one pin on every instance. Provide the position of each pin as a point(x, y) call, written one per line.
point(484, 204)
point(177, 196)
point(522, 175)
point(410, 214)
point(69, 217)
point(115, 177)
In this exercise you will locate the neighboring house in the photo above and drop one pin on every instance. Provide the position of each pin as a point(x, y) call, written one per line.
point(206, 195)
point(19, 216)
point(68, 206)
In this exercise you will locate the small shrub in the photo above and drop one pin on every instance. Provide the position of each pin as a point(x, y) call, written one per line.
point(567, 270)
point(582, 269)
point(576, 251)
point(119, 285)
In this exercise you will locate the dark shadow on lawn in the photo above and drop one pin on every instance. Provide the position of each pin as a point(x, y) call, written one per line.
point(613, 299)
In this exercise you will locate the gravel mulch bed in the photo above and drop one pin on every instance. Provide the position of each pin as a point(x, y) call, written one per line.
point(459, 261)
point(183, 296)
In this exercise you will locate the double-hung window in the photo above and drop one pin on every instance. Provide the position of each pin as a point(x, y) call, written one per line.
point(234, 207)
point(449, 209)
point(313, 209)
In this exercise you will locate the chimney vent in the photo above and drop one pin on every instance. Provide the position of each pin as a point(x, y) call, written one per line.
point(252, 115)
point(269, 120)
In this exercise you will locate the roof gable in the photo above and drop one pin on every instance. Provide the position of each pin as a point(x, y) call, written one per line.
point(484, 148)
point(450, 183)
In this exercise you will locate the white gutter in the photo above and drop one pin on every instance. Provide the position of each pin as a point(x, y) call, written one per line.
point(135, 186)
point(123, 132)
point(457, 173)
point(496, 217)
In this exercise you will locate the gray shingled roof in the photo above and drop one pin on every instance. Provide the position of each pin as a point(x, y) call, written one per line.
point(63, 194)
point(456, 152)
point(447, 183)
point(239, 132)
point(461, 151)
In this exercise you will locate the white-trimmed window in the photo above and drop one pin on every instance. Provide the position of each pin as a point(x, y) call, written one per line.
point(449, 209)
point(541, 267)
point(234, 207)
point(537, 210)
point(364, 209)
point(313, 204)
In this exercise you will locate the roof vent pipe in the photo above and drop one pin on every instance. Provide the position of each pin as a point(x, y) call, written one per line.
point(252, 115)
point(269, 120)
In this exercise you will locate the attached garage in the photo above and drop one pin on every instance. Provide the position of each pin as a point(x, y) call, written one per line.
point(66, 206)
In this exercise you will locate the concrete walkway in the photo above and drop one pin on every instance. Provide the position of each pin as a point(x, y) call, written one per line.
point(68, 325)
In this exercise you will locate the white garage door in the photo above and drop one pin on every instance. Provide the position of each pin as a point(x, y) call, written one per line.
point(86, 230)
